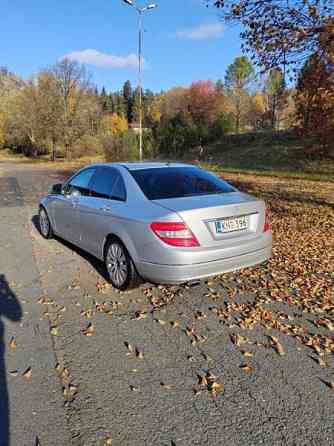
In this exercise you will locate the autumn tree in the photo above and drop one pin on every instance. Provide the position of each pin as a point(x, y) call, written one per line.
point(72, 86)
point(202, 101)
point(239, 76)
point(173, 101)
point(315, 98)
point(278, 33)
point(113, 124)
point(276, 95)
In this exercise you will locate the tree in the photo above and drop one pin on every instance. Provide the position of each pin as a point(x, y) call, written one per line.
point(173, 101)
point(315, 99)
point(176, 135)
point(203, 102)
point(50, 111)
point(2, 129)
point(276, 96)
point(113, 124)
point(127, 94)
point(279, 33)
point(72, 86)
point(104, 99)
point(238, 77)
point(220, 86)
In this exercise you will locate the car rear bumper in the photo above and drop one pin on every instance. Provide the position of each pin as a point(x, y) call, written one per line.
point(174, 274)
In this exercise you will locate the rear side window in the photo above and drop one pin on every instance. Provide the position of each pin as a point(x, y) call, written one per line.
point(177, 182)
point(108, 183)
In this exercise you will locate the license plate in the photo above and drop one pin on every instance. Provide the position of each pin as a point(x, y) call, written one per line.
point(232, 224)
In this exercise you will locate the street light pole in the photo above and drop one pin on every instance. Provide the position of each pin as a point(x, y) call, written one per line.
point(140, 12)
point(140, 46)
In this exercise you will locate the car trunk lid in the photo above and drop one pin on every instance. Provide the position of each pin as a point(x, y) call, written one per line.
point(207, 215)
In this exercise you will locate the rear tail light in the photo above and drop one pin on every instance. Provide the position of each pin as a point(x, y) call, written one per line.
point(174, 234)
point(266, 225)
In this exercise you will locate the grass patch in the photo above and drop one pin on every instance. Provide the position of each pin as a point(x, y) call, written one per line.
point(279, 154)
point(270, 173)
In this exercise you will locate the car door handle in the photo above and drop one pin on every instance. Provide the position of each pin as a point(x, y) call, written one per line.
point(105, 209)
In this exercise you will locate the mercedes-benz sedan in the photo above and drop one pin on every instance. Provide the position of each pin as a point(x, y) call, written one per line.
point(164, 222)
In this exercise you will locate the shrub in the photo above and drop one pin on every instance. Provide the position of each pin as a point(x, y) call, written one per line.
point(177, 135)
point(87, 145)
point(120, 147)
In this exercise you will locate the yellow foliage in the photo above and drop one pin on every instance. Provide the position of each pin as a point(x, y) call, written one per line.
point(114, 124)
point(259, 103)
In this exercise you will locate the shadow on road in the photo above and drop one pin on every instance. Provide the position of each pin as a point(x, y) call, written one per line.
point(10, 309)
point(94, 262)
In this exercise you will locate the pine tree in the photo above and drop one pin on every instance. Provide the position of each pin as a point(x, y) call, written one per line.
point(127, 94)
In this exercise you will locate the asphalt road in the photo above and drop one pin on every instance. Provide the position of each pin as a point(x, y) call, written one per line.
point(137, 368)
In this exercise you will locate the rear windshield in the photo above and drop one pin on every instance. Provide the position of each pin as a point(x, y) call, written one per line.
point(176, 182)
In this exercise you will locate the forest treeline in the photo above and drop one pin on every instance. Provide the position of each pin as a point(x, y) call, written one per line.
point(286, 81)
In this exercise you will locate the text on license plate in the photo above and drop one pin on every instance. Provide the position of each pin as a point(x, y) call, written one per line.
point(232, 224)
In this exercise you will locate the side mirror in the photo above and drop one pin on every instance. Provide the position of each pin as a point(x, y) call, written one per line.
point(75, 193)
point(56, 189)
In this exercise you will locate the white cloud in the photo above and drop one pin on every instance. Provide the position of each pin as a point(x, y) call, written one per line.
point(94, 57)
point(202, 32)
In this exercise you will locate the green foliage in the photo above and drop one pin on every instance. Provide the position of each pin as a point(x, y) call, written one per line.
point(127, 94)
point(177, 135)
point(221, 126)
point(240, 73)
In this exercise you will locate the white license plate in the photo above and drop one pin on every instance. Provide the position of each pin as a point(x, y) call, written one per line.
point(232, 224)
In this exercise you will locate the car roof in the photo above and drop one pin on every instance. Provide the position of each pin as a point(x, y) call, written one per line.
point(144, 165)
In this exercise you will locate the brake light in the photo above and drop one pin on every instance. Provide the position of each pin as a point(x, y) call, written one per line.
point(266, 225)
point(174, 233)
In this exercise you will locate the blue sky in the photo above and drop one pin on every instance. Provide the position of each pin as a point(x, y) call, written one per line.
point(184, 40)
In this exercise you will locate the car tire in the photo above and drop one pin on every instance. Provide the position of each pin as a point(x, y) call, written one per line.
point(121, 270)
point(45, 227)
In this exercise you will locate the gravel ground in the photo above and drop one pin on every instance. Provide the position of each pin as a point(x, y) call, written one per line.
point(218, 363)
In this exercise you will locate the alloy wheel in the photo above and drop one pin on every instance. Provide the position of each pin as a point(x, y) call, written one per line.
point(44, 223)
point(117, 264)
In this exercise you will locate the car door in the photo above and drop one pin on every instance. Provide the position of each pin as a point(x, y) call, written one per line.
point(65, 211)
point(99, 210)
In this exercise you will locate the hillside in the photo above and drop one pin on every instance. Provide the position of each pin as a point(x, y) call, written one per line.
point(273, 153)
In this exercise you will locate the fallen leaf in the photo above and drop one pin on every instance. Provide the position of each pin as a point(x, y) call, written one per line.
point(215, 388)
point(197, 391)
point(238, 339)
point(199, 315)
point(189, 331)
point(12, 343)
point(140, 315)
point(246, 368)
point(130, 348)
point(321, 361)
point(175, 324)
point(161, 322)
point(139, 354)
point(202, 380)
point(167, 386)
point(88, 331)
point(277, 345)
point(247, 354)
point(54, 331)
point(27, 374)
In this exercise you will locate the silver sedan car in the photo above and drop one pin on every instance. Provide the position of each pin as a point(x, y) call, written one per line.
point(164, 222)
